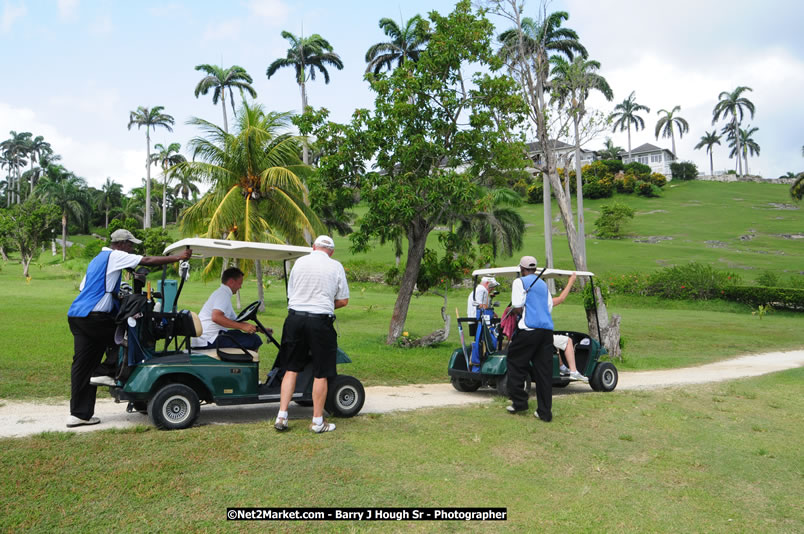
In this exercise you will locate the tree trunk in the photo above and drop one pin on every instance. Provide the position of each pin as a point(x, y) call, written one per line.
point(609, 328)
point(711, 165)
point(745, 155)
point(53, 246)
point(223, 106)
point(164, 198)
point(579, 199)
point(3, 253)
point(147, 219)
point(305, 148)
point(64, 237)
point(737, 140)
point(417, 239)
point(26, 263)
point(629, 143)
point(673, 139)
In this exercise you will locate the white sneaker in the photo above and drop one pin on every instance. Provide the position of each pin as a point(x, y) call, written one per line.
point(74, 421)
point(323, 427)
point(563, 370)
point(102, 381)
point(575, 375)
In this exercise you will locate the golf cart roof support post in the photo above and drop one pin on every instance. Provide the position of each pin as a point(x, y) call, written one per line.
point(285, 269)
point(594, 303)
point(164, 293)
point(181, 285)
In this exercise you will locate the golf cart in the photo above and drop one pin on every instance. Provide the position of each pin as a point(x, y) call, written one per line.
point(484, 363)
point(168, 379)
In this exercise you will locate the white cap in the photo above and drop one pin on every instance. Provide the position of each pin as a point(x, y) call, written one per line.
point(491, 280)
point(324, 241)
point(124, 235)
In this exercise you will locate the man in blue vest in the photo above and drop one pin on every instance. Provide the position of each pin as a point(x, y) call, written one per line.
point(91, 318)
point(532, 342)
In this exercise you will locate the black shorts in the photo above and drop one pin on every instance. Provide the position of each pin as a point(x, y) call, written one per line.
point(309, 338)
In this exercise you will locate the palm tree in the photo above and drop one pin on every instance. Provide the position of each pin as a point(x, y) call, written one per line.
point(611, 151)
point(734, 104)
point(220, 79)
point(257, 192)
point(406, 44)
point(626, 115)
point(185, 183)
point(14, 151)
point(709, 140)
point(108, 197)
point(150, 118)
point(130, 208)
point(667, 125)
point(38, 149)
point(166, 157)
point(67, 191)
point(306, 55)
point(498, 224)
point(744, 142)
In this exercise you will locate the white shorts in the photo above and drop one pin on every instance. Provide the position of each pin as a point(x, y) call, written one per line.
point(560, 341)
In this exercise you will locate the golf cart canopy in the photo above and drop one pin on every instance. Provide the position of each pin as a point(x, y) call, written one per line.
point(514, 272)
point(208, 248)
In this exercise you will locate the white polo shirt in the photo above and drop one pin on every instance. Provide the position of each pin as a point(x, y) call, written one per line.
point(220, 299)
point(118, 260)
point(315, 283)
point(518, 295)
point(477, 297)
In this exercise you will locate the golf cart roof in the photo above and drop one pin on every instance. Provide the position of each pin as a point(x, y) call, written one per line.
point(514, 272)
point(207, 248)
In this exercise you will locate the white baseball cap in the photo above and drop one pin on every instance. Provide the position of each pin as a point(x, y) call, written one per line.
point(324, 241)
point(491, 280)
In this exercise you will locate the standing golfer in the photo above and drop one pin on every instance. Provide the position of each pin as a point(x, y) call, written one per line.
point(316, 288)
point(91, 319)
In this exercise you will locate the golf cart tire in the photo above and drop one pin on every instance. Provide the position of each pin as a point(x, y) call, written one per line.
point(345, 396)
point(561, 384)
point(604, 378)
point(174, 407)
point(465, 385)
point(502, 385)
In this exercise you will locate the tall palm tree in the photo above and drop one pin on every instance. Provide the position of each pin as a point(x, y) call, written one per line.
point(406, 44)
point(131, 207)
point(709, 140)
point(306, 55)
point(736, 105)
point(610, 150)
point(150, 118)
point(220, 79)
point(666, 125)
point(38, 149)
point(67, 191)
point(15, 149)
point(625, 114)
point(185, 183)
point(257, 192)
point(744, 142)
point(108, 197)
point(166, 157)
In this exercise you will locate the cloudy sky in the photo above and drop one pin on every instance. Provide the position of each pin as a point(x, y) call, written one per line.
point(72, 70)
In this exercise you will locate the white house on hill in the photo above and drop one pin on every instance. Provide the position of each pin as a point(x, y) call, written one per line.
point(658, 159)
point(562, 150)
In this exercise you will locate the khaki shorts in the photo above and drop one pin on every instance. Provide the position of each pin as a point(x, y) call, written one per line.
point(560, 342)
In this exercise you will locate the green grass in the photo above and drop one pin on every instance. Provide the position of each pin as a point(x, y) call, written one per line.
point(713, 458)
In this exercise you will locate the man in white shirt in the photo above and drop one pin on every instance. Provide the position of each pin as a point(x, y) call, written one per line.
point(218, 325)
point(479, 297)
point(316, 288)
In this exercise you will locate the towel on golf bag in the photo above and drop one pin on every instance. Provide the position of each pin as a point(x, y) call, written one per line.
point(508, 322)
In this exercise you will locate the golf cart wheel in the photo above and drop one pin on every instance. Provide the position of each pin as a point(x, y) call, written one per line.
point(604, 378)
point(502, 385)
point(174, 407)
point(561, 384)
point(466, 385)
point(345, 396)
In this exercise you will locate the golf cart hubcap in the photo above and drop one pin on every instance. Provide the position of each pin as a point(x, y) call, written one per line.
point(176, 409)
point(608, 377)
point(346, 397)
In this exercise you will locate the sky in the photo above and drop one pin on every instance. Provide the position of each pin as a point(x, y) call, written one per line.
point(72, 70)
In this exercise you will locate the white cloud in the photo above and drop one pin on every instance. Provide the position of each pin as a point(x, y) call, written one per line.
point(275, 12)
point(91, 99)
point(225, 30)
point(11, 12)
point(67, 9)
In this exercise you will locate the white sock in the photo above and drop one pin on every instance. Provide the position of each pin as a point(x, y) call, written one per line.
point(318, 421)
point(282, 415)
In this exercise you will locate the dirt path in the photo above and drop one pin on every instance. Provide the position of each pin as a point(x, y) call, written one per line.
point(24, 418)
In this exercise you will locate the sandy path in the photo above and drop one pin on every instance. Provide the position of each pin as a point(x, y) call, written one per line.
point(26, 418)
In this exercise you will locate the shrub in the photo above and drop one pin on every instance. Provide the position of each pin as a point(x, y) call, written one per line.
point(597, 170)
point(588, 301)
point(779, 298)
point(624, 183)
point(658, 179)
point(692, 281)
point(768, 279)
point(521, 187)
point(685, 170)
point(598, 188)
point(93, 249)
point(639, 169)
point(628, 284)
point(613, 165)
point(536, 193)
point(612, 217)
point(647, 189)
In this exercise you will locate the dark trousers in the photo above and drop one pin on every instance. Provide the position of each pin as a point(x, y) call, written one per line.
point(532, 347)
point(92, 335)
point(236, 339)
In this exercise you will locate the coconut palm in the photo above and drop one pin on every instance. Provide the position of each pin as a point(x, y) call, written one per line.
point(67, 191)
point(709, 140)
point(610, 150)
point(220, 79)
point(306, 55)
point(745, 143)
point(625, 114)
point(150, 118)
point(406, 44)
point(131, 207)
point(166, 157)
point(736, 105)
point(257, 192)
point(185, 183)
point(667, 124)
point(497, 224)
point(108, 198)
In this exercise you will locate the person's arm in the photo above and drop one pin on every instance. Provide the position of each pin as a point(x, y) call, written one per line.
point(220, 318)
point(340, 303)
point(518, 296)
point(152, 261)
point(559, 299)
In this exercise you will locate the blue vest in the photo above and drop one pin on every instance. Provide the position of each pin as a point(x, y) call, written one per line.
point(94, 287)
point(537, 315)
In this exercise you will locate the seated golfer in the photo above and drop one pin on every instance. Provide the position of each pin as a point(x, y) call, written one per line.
point(564, 343)
point(218, 318)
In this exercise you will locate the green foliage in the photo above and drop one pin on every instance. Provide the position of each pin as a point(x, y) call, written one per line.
point(625, 183)
point(536, 193)
point(762, 310)
point(154, 240)
point(780, 298)
point(521, 187)
point(602, 187)
point(612, 218)
point(588, 299)
point(28, 226)
point(658, 179)
point(694, 281)
point(768, 279)
point(92, 249)
point(647, 189)
point(613, 165)
point(684, 170)
point(639, 170)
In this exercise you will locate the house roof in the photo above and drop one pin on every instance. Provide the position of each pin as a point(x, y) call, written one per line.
point(646, 149)
point(556, 144)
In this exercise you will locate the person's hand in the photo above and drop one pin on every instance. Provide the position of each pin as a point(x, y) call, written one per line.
point(184, 256)
point(572, 278)
point(248, 328)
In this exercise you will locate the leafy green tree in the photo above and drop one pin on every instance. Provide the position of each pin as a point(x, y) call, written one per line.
point(109, 197)
point(28, 226)
point(306, 55)
point(220, 80)
point(744, 142)
point(405, 44)
point(131, 208)
point(151, 119)
point(709, 140)
point(67, 192)
point(667, 125)
point(736, 105)
point(625, 115)
point(166, 157)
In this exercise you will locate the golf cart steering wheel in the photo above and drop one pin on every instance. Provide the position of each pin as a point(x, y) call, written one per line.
point(249, 313)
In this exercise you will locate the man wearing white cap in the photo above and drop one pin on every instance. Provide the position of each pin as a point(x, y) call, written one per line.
point(479, 298)
point(316, 288)
point(91, 319)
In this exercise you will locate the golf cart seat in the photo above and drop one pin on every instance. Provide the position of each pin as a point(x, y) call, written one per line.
point(230, 354)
